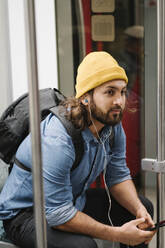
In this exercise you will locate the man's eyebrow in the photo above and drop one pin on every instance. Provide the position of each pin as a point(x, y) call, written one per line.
point(114, 87)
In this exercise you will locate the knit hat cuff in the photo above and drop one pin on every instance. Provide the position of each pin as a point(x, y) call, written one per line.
point(99, 78)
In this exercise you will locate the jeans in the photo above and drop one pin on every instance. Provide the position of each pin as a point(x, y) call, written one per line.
point(21, 229)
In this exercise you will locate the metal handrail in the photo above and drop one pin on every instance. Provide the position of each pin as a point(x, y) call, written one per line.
point(81, 26)
point(30, 30)
point(157, 165)
point(160, 117)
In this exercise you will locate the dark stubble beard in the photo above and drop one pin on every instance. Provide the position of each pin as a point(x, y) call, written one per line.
point(105, 118)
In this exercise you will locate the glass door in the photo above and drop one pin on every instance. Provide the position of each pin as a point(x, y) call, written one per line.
point(128, 31)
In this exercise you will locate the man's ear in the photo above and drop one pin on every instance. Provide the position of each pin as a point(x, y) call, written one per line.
point(85, 100)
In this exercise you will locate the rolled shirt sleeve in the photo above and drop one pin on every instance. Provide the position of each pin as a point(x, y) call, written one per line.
point(58, 157)
point(117, 170)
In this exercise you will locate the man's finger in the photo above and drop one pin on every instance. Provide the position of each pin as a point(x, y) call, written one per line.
point(139, 221)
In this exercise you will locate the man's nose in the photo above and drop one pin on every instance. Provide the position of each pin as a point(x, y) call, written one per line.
point(118, 101)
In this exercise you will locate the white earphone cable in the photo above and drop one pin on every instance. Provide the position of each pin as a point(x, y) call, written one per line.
point(105, 166)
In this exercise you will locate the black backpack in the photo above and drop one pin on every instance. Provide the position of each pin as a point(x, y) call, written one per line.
point(14, 125)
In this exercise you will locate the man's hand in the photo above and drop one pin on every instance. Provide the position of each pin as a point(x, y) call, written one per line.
point(130, 234)
point(142, 213)
point(125, 193)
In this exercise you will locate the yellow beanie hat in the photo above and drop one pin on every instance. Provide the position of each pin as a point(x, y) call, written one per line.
point(96, 69)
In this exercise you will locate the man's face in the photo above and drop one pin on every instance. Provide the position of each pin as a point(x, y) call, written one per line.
point(108, 102)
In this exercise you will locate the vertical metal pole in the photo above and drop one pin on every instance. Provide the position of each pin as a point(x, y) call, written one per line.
point(160, 117)
point(137, 12)
point(35, 123)
point(81, 25)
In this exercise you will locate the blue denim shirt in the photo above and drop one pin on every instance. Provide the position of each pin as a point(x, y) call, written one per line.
point(64, 190)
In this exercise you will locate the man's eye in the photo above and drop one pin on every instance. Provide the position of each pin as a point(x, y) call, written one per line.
point(110, 92)
point(124, 92)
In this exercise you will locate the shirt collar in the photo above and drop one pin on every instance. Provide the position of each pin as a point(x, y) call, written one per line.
point(88, 136)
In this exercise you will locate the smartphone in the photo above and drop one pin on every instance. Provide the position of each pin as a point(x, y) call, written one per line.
point(157, 226)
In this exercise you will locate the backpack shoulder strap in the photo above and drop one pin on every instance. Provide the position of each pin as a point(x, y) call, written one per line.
point(59, 111)
point(75, 134)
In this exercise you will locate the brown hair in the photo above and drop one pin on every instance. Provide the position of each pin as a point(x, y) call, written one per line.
point(76, 112)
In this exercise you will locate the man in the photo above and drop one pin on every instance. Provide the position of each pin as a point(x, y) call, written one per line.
point(74, 214)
